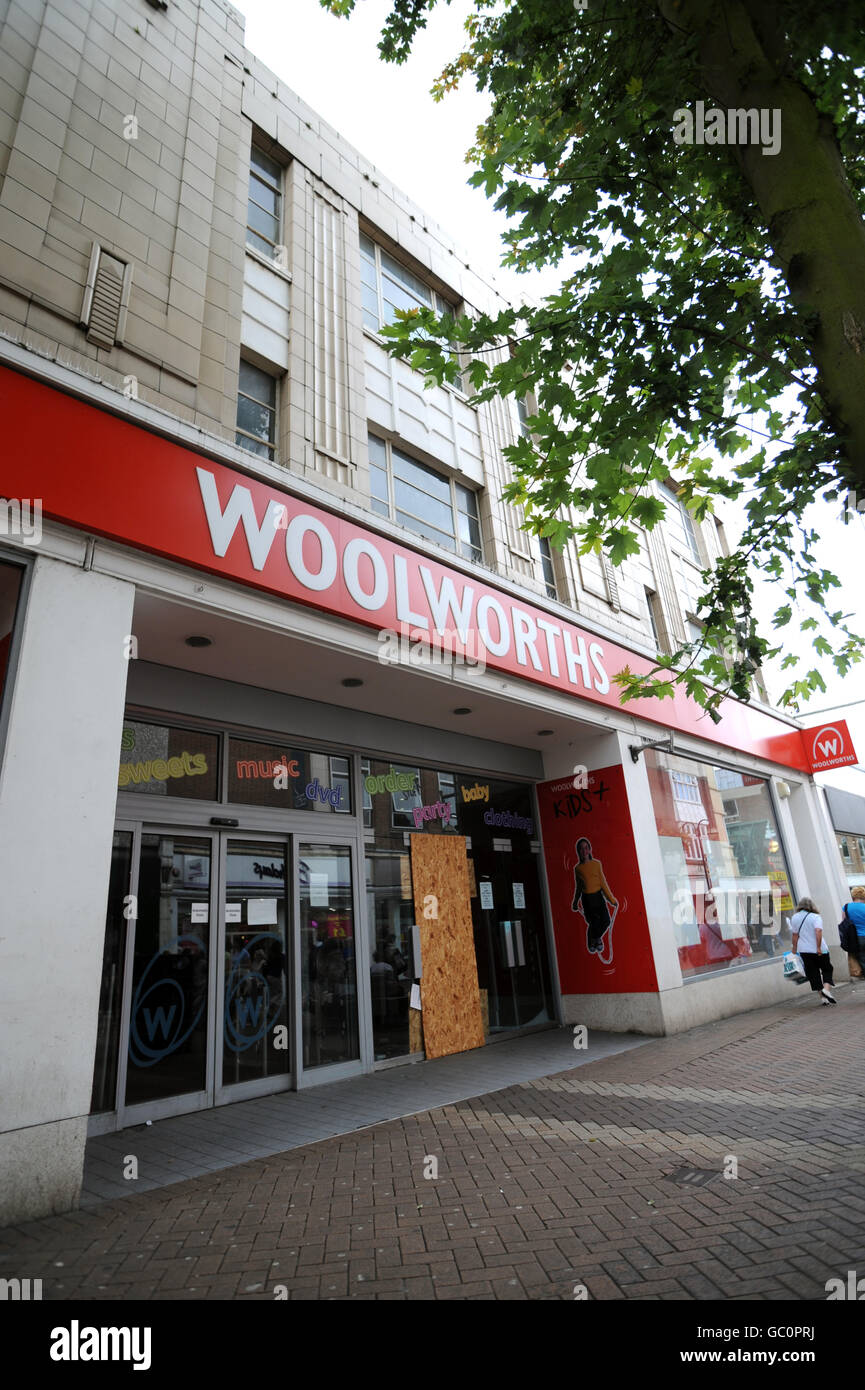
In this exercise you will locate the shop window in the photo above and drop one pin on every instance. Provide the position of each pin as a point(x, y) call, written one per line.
point(844, 846)
point(286, 777)
point(727, 876)
point(387, 286)
point(158, 760)
point(256, 410)
point(340, 780)
point(424, 501)
point(263, 209)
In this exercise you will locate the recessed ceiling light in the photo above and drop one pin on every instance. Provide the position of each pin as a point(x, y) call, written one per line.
point(463, 709)
point(545, 733)
point(351, 682)
point(198, 641)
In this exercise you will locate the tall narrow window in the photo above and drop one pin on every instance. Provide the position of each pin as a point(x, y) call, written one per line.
point(263, 206)
point(424, 501)
point(387, 285)
point(547, 566)
point(656, 619)
point(256, 411)
point(677, 507)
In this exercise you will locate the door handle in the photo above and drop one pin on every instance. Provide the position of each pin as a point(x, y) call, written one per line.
point(518, 932)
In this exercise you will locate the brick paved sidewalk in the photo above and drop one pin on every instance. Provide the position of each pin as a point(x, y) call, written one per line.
point(542, 1186)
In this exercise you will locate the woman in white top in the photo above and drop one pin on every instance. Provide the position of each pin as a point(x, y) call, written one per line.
point(807, 927)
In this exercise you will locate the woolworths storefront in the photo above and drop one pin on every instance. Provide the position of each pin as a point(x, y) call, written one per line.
point(257, 834)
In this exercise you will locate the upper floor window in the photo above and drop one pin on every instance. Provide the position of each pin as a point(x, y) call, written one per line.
point(387, 286)
point(263, 206)
point(423, 500)
point(256, 411)
point(677, 506)
point(547, 566)
point(524, 410)
point(656, 620)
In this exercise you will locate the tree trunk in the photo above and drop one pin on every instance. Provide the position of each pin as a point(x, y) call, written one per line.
point(802, 193)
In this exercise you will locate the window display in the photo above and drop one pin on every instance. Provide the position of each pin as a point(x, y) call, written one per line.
point(727, 878)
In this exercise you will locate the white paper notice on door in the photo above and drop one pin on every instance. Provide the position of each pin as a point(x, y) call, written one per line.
point(261, 912)
point(414, 1001)
point(234, 912)
point(519, 895)
point(317, 890)
point(200, 912)
point(486, 894)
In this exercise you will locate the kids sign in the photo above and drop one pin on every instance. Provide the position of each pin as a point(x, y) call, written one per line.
point(602, 935)
point(829, 745)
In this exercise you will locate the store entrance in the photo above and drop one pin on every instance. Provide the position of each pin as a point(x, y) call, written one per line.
point(232, 971)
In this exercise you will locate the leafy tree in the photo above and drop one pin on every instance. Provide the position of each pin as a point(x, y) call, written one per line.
point(712, 302)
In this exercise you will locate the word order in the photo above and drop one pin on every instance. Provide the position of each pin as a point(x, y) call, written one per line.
point(476, 793)
point(736, 127)
point(439, 810)
point(390, 782)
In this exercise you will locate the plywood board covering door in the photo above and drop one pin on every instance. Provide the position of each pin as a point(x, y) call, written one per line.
point(452, 1020)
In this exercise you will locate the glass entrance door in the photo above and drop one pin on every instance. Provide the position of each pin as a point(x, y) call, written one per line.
point(255, 996)
point(328, 957)
point(240, 969)
point(509, 938)
point(169, 1010)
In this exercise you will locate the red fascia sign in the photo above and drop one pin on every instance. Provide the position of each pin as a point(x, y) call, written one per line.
point(104, 475)
point(829, 745)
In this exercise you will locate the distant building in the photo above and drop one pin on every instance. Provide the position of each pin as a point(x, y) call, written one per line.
point(847, 813)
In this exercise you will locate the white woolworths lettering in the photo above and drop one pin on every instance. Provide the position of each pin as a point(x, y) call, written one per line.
point(444, 605)
point(502, 645)
point(350, 569)
point(448, 610)
point(295, 531)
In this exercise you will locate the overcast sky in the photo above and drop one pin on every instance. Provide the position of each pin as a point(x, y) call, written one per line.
point(386, 112)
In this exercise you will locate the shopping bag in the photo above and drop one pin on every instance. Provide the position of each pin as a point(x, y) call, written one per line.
point(794, 970)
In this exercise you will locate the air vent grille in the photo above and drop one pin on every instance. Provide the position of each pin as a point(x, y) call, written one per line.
point(105, 298)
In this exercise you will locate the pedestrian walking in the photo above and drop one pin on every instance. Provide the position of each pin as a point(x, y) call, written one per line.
point(807, 927)
point(853, 933)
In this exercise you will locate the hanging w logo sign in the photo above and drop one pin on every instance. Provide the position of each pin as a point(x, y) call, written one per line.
point(828, 746)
